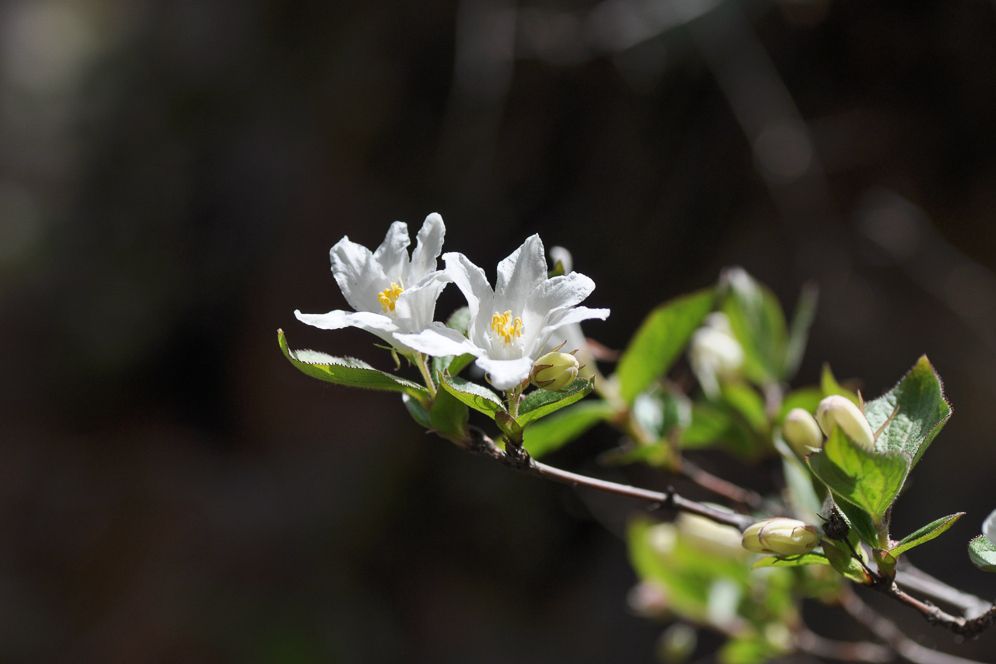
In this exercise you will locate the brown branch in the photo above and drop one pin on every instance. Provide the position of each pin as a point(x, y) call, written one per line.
point(518, 458)
point(960, 625)
point(841, 651)
point(886, 630)
point(719, 486)
point(909, 576)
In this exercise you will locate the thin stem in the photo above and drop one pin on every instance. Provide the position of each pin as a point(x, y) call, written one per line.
point(426, 374)
point(719, 486)
point(959, 625)
point(669, 499)
point(909, 576)
point(842, 651)
point(886, 630)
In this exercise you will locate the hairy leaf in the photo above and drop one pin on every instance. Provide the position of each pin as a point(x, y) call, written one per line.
point(471, 394)
point(540, 403)
point(925, 534)
point(982, 552)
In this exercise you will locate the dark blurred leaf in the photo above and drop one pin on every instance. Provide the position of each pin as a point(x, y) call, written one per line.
point(745, 400)
point(802, 320)
point(552, 432)
point(758, 323)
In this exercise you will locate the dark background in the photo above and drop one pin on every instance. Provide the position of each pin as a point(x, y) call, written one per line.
point(172, 175)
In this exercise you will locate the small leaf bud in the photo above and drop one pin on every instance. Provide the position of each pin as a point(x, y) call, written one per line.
point(780, 536)
point(840, 411)
point(801, 431)
point(554, 371)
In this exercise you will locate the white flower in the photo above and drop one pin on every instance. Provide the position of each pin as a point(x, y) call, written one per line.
point(510, 325)
point(391, 293)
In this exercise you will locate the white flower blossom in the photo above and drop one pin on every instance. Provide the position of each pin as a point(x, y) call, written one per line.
point(511, 324)
point(391, 293)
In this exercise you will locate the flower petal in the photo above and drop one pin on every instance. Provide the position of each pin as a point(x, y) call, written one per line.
point(518, 274)
point(506, 374)
point(430, 245)
point(392, 254)
point(558, 318)
point(472, 282)
point(416, 306)
point(564, 291)
point(357, 273)
point(439, 341)
point(382, 326)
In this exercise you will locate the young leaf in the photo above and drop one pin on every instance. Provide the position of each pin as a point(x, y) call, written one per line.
point(911, 414)
point(758, 323)
point(660, 340)
point(557, 430)
point(811, 558)
point(476, 396)
point(830, 386)
point(982, 552)
point(925, 534)
point(448, 416)
point(869, 480)
point(417, 410)
point(842, 560)
point(347, 371)
point(540, 403)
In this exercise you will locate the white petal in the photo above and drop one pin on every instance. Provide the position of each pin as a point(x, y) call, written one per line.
point(989, 527)
point(382, 326)
point(564, 291)
point(439, 341)
point(568, 316)
point(392, 254)
point(416, 306)
point(357, 273)
point(471, 281)
point(506, 374)
point(523, 270)
point(430, 245)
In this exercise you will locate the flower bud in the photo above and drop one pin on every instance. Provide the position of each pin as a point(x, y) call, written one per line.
point(781, 537)
point(554, 371)
point(839, 411)
point(801, 431)
point(714, 353)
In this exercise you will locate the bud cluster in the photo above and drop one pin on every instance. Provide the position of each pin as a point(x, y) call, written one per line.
point(805, 433)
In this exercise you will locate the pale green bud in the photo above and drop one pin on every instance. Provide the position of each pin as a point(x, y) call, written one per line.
point(554, 371)
point(840, 411)
point(801, 431)
point(781, 536)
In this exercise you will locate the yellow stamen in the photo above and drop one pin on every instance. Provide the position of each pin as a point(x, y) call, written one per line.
point(506, 327)
point(389, 296)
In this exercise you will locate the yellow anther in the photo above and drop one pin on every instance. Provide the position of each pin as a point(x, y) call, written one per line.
point(506, 327)
point(389, 296)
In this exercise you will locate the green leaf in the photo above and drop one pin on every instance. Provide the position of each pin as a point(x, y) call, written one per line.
point(540, 403)
point(799, 484)
point(448, 416)
point(745, 400)
point(811, 558)
point(747, 648)
point(859, 521)
point(459, 320)
point(869, 480)
point(805, 313)
point(807, 398)
point(659, 412)
point(450, 364)
point(717, 424)
point(758, 323)
point(347, 371)
point(557, 430)
point(925, 534)
point(911, 414)
point(982, 552)
point(509, 427)
point(842, 560)
point(660, 340)
point(471, 394)
point(830, 386)
point(417, 410)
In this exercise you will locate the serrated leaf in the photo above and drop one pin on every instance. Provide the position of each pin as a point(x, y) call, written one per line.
point(911, 414)
point(448, 416)
point(347, 371)
point(473, 395)
point(869, 480)
point(811, 558)
point(982, 552)
point(557, 430)
point(830, 386)
point(540, 403)
point(925, 534)
point(659, 341)
point(758, 323)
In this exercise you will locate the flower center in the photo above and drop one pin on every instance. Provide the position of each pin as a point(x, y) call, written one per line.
point(506, 327)
point(389, 296)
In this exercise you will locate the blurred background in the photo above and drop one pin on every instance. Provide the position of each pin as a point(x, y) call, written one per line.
point(173, 174)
